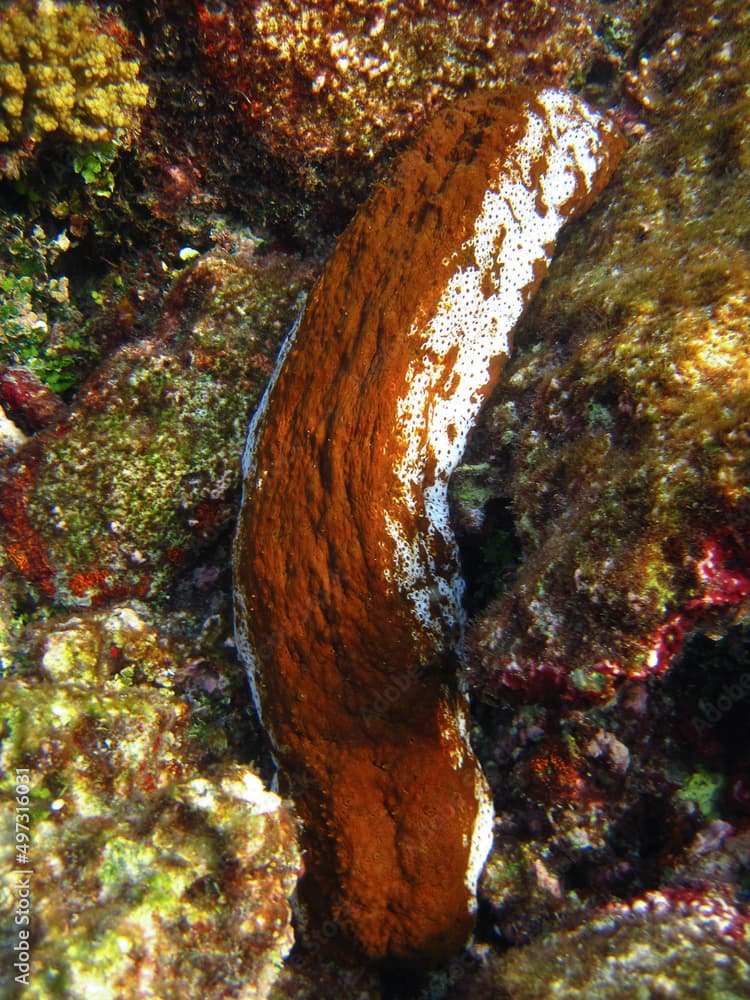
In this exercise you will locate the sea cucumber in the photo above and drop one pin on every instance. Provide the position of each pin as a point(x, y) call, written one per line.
point(347, 580)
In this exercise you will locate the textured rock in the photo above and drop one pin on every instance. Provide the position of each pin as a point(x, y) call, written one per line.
point(337, 83)
point(158, 866)
point(127, 490)
point(618, 435)
point(347, 584)
point(610, 801)
point(690, 943)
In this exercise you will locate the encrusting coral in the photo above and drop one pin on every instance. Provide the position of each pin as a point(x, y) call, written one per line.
point(63, 69)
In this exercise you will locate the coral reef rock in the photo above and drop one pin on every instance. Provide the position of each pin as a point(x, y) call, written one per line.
point(338, 82)
point(687, 943)
point(617, 441)
point(145, 469)
point(156, 866)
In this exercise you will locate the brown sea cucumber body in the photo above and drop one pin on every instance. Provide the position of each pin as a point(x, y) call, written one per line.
point(348, 587)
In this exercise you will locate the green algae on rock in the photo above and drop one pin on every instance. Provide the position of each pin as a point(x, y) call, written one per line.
point(620, 429)
point(157, 864)
point(40, 326)
point(145, 469)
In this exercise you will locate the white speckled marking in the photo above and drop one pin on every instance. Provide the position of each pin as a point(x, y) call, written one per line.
point(513, 233)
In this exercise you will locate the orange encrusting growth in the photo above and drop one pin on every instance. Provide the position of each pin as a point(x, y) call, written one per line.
point(355, 680)
point(24, 545)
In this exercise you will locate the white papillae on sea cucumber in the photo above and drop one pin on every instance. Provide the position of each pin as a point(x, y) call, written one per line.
point(520, 217)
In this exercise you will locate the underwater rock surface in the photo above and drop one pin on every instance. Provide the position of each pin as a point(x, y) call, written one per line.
point(340, 81)
point(133, 716)
point(671, 943)
point(143, 472)
point(159, 866)
point(315, 97)
point(618, 436)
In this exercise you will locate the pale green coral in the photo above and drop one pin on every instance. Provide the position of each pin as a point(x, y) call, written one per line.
point(60, 71)
point(41, 327)
point(707, 790)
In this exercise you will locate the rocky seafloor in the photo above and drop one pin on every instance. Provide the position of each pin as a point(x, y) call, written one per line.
point(157, 240)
